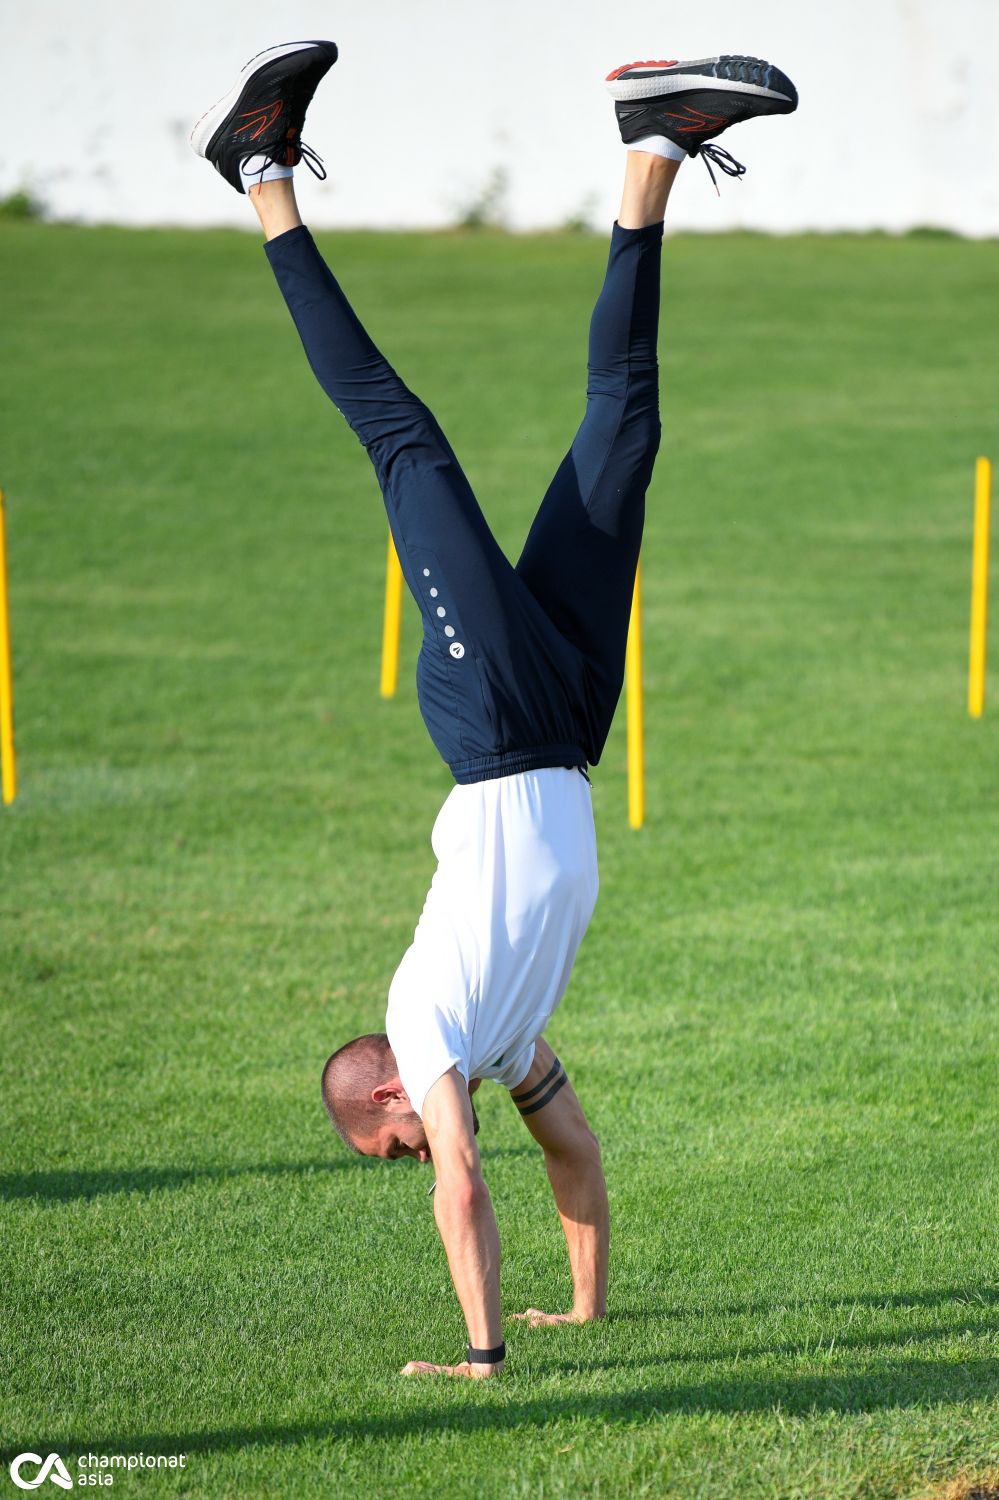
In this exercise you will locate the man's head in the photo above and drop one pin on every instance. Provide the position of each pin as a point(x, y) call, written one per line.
point(367, 1104)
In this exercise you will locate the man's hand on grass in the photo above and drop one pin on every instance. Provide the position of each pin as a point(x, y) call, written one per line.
point(538, 1319)
point(465, 1370)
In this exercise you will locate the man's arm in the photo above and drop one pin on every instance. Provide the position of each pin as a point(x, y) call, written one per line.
point(555, 1118)
point(465, 1218)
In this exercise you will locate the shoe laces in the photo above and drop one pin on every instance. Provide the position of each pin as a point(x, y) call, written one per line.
point(723, 160)
point(314, 161)
point(278, 156)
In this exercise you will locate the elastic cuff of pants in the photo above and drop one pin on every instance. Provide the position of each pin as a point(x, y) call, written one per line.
point(650, 231)
point(289, 237)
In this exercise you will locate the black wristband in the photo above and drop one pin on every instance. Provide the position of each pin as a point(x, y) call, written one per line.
point(486, 1356)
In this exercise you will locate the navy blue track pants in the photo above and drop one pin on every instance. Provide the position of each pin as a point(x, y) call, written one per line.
point(520, 667)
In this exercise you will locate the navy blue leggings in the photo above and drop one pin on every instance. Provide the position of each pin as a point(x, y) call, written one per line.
point(520, 666)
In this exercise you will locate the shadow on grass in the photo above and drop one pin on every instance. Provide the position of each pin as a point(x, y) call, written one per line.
point(934, 1297)
point(65, 1186)
point(802, 1349)
point(914, 1383)
point(983, 1295)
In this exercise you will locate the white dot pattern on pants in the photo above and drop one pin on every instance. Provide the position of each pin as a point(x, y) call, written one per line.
point(433, 593)
point(441, 611)
point(449, 630)
point(426, 572)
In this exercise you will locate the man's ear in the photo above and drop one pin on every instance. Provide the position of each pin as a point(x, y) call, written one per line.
point(389, 1092)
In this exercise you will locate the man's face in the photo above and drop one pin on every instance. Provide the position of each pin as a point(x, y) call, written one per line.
point(400, 1136)
point(401, 1133)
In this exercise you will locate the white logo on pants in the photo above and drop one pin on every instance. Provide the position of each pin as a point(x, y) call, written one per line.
point(457, 649)
point(53, 1468)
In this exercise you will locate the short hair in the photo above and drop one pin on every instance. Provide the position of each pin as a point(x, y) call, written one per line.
point(349, 1076)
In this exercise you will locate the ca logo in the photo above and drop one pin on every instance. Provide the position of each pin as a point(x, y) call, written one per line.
point(457, 650)
point(53, 1468)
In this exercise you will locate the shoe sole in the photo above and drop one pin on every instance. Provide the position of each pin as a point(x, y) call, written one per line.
point(729, 74)
point(207, 127)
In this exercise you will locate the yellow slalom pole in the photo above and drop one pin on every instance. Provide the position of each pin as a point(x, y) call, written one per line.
point(392, 626)
point(635, 707)
point(8, 764)
point(979, 588)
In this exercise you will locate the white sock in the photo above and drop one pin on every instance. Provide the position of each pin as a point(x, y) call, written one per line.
point(259, 169)
point(659, 145)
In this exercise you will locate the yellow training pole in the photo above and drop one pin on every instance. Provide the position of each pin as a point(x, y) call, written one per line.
point(8, 765)
point(979, 588)
point(635, 707)
point(392, 626)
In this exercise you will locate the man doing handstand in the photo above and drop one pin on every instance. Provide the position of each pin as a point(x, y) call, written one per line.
point(518, 677)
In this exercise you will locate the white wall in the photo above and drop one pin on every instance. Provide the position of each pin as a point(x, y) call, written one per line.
point(897, 125)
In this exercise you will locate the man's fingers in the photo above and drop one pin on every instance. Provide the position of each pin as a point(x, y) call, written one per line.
point(535, 1318)
point(424, 1367)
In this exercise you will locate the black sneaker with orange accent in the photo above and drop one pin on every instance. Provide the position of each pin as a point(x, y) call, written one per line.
point(264, 111)
point(690, 102)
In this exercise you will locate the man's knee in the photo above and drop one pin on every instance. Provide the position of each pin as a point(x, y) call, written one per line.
point(636, 447)
point(398, 426)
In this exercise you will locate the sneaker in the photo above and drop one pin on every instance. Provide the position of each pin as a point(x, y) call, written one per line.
point(690, 102)
point(263, 113)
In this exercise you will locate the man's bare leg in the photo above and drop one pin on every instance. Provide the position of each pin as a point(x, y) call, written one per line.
point(647, 183)
point(277, 208)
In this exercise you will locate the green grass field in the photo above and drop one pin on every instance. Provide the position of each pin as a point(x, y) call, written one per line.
point(783, 1020)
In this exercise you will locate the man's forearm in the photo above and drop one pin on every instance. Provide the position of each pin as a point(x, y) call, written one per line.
point(581, 1198)
point(467, 1224)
